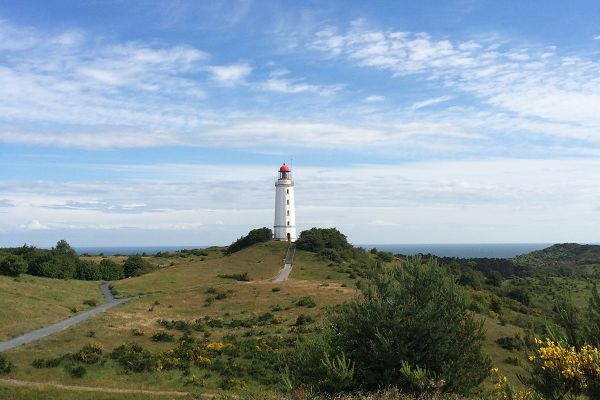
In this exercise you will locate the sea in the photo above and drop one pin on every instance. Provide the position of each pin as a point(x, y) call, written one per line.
point(466, 250)
point(463, 250)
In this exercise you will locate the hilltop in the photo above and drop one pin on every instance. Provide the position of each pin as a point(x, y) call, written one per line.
point(564, 259)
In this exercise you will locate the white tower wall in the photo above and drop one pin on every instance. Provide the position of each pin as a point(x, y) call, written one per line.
point(285, 215)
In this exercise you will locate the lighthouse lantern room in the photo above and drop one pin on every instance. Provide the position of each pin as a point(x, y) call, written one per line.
point(285, 215)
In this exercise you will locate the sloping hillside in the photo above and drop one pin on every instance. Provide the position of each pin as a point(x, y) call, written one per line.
point(564, 259)
point(31, 302)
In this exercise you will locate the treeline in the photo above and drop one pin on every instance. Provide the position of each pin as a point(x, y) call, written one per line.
point(62, 262)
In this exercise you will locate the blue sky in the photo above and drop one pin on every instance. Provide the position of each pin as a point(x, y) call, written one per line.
point(163, 123)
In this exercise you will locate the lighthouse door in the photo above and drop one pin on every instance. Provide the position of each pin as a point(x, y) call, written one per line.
point(289, 237)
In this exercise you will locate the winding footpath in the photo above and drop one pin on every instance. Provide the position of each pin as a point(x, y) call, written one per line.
point(109, 301)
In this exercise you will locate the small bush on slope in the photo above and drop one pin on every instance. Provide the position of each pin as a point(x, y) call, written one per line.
point(13, 266)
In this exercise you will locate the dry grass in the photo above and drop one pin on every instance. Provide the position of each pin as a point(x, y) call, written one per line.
point(31, 302)
point(179, 292)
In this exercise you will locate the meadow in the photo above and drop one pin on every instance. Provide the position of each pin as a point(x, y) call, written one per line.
point(229, 319)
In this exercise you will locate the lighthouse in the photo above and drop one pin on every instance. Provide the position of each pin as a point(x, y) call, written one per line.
point(285, 216)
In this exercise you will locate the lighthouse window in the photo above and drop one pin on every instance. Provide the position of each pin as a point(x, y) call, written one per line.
point(287, 191)
point(288, 212)
point(288, 202)
point(288, 223)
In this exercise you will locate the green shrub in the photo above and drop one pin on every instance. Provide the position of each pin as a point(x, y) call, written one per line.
point(520, 294)
point(410, 328)
point(110, 270)
point(76, 371)
point(276, 289)
point(135, 266)
point(303, 320)
point(87, 271)
point(238, 277)
point(89, 353)
point(6, 366)
point(306, 302)
point(134, 358)
point(413, 313)
point(162, 336)
point(330, 244)
point(510, 342)
point(13, 265)
point(211, 290)
point(59, 266)
point(254, 236)
point(385, 256)
point(90, 302)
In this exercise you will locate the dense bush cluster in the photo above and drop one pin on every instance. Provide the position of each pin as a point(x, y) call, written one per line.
point(411, 329)
point(330, 244)
point(62, 262)
point(136, 266)
point(242, 277)
point(259, 235)
point(13, 266)
point(6, 366)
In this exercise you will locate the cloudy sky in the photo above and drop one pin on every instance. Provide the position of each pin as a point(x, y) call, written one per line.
point(163, 123)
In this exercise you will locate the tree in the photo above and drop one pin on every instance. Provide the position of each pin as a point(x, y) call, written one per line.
point(13, 266)
point(494, 278)
point(56, 266)
point(110, 270)
point(317, 239)
point(259, 235)
point(135, 266)
point(87, 270)
point(62, 247)
point(412, 317)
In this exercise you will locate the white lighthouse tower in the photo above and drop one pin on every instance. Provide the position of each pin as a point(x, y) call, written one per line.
point(285, 215)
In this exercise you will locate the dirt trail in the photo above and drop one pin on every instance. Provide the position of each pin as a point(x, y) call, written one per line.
point(15, 382)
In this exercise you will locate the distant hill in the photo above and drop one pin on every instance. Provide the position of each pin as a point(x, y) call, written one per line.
point(566, 259)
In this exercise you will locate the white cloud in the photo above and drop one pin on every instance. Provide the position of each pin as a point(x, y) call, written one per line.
point(374, 98)
point(90, 140)
point(597, 37)
point(490, 200)
point(430, 102)
point(278, 82)
point(34, 225)
point(230, 75)
point(535, 84)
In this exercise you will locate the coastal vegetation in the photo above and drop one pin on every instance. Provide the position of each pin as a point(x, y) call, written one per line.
point(259, 235)
point(356, 325)
point(62, 262)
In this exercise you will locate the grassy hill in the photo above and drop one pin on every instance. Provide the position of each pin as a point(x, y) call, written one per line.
point(31, 302)
point(566, 259)
point(198, 294)
point(189, 289)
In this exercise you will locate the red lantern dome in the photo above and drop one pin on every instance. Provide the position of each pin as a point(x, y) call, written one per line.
point(284, 168)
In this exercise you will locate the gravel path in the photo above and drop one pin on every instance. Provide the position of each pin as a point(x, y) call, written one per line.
point(283, 273)
point(287, 267)
point(32, 336)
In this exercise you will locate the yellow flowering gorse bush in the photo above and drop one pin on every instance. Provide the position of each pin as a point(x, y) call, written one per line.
point(505, 392)
point(218, 346)
point(567, 363)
